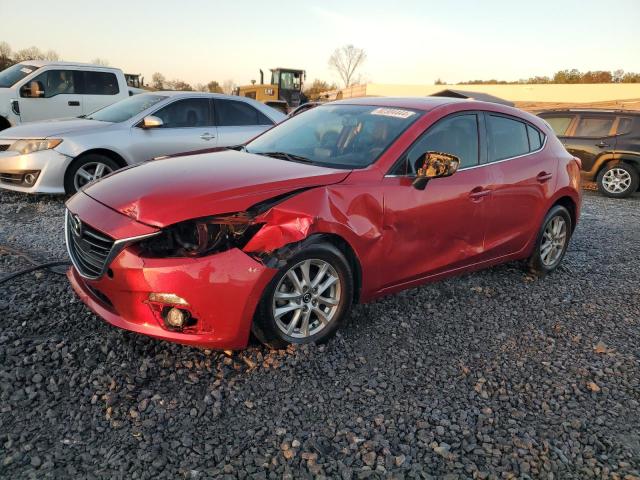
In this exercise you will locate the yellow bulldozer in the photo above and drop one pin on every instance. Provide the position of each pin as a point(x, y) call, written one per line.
point(284, 92)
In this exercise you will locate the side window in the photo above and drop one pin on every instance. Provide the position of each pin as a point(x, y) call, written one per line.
point(535, 138)
point(191, 112)
point(100, 83)
point(507, 138)
point(594, 127)
point(559, 124)
point(49, 84)
point(457, 135)
point(624, 125)
point(231, 113)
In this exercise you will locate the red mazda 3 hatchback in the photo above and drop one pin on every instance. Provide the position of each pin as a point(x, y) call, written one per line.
point(343, 203)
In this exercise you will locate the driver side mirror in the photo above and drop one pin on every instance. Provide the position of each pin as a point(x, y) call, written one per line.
point(152, 122)
point(434, 165)
point(33, 89)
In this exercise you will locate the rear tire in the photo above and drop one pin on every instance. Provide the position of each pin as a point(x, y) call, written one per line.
point(307, 300)
point(618, 180)
point(552, 242)
point(87, 168)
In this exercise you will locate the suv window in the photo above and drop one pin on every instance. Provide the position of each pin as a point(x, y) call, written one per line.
point(100, 83)
point(51, 83)
point(190, 112)
point(457, 135)
point(231, 113)
point(593, 127)
point(507, 138)
point(624, 125)
point(559, 124)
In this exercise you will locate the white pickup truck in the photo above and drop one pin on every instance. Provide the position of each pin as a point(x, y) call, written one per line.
point(39, 90)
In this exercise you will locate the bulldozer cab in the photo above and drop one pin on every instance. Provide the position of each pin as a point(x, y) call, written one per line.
point(284, 92)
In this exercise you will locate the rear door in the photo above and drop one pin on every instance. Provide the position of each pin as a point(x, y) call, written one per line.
point(187, 126)
point(523, 180)
point(592, 135)
point(52, 94)
point(238, 122)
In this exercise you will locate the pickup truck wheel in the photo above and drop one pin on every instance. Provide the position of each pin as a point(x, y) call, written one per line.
point(618, 180)
point(552, 242)
point(87, 169)
point(307, 300)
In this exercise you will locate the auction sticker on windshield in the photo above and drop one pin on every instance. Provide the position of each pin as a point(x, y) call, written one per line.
point(393, 112)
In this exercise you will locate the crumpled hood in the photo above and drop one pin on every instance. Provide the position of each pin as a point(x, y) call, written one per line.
point(52, 128)
point(167, 191)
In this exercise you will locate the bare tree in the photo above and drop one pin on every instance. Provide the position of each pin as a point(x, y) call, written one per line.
point(158, 81)
point(179, 85)
point(346, 60)
point(228, 86)
point(31, 53)
point(214, 87)
point(52, 56)
point(5, 55)
point(100, 61)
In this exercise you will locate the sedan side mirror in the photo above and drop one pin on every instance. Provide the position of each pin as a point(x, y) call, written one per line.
point(434, 165)
point(152, 122)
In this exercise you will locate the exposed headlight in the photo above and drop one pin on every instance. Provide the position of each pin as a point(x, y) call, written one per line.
point(204, 236)
point(30, 146)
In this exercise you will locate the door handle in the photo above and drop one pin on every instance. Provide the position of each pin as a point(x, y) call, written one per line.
point(544, 176)
point(478, 193)
point(602, 144)
point(207, 136)
point(73, 103)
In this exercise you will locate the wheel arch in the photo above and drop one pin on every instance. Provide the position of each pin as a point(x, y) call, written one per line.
point(354, 262)
point(570, 204)
point(116, 157)
point(4, 123)
point(626, 158)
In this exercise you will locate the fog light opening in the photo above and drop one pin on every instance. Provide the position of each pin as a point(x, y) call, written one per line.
point(30, 179)
point(176, 318)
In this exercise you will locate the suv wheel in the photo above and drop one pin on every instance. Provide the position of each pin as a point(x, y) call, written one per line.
point(618, 180)
point(307, 300)
point(87, 169)
point(552, 243)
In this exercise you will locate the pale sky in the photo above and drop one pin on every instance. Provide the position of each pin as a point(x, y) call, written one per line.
point(407, 42)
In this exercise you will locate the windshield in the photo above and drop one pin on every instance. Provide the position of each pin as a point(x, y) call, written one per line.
point(342, 136)
point(127, 108)
point(9, 76)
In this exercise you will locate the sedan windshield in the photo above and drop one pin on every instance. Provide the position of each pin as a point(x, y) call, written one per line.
point(127, 108)
point(9, 76)
point(342, 136)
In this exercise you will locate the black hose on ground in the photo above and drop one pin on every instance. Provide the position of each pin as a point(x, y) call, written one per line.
point(33, 269)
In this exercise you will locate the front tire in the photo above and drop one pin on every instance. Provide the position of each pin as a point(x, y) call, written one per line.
point(307, 300)
point(552, 241)
point(618, 180)
point(86, 169)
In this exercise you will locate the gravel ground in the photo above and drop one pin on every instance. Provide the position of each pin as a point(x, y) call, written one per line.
point(490, 375)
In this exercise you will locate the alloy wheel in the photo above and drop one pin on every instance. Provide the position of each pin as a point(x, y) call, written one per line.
point(554, 240)
point(90, 172)
point(306, 298)
point(616, 180)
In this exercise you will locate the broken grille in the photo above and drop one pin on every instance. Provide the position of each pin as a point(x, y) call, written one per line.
point(89, 249)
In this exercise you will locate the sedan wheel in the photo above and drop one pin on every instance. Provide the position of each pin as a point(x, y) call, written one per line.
point(90, 172)
point(554, 240)
point(306, 298)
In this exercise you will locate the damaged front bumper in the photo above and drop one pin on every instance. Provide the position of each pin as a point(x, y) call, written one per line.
point(222, 292)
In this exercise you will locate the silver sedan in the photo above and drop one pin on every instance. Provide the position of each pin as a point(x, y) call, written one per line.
point(61, 156)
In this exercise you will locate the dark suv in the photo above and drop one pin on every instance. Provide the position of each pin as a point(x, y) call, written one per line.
point(606, 141)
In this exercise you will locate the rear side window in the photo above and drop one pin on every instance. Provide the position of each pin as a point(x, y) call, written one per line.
point(594, 127)
point(624, 125)
point(559, 124)
point(507, 138)
point(535, 138)
point(188, 113)
point(230, 113)
point(100, 83)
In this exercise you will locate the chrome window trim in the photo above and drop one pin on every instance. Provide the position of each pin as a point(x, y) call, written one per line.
point(117, 247)
point(488, 163)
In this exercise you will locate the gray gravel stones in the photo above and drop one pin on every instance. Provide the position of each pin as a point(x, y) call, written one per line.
point(489, 375)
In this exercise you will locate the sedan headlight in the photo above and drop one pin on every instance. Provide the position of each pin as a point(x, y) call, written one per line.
point(204, 236)
point(30, 146)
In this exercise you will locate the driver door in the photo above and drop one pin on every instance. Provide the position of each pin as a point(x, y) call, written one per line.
point(441, 228)
point(52, 94)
